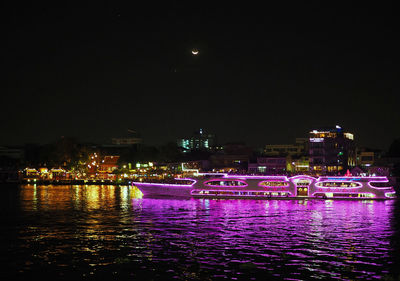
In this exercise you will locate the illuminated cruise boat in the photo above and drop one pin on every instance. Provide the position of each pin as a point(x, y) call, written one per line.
point(272, 187)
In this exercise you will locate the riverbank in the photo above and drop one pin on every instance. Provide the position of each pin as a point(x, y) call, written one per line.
point(72, 182)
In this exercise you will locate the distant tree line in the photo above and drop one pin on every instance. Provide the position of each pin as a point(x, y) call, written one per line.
point(68, 153)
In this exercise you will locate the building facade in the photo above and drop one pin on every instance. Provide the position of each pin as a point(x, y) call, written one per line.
point(365, 158)
point(198, 141)
point(279, 165)
point(332, 151)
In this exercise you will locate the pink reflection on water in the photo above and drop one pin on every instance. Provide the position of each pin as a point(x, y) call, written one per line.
point(310, 238)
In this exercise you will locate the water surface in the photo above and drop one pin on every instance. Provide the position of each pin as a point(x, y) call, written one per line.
point(109, 232)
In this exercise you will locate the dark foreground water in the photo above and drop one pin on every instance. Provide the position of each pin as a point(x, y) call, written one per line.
point(110, 233)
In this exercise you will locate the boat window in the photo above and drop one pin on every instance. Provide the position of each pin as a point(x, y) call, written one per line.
point(303, 183)
point(343, 195)
point(225, 183)
point(390, 194)
point(274, 183)
point(379, 184)
point(339, 184)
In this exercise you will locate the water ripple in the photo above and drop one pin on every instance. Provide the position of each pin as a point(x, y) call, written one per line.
point(96, 232)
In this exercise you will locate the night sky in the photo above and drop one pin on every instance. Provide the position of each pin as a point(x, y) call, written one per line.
point(264, 74)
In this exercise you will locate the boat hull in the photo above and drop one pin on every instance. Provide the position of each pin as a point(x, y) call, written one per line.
point(150, 190)
point(274, 187)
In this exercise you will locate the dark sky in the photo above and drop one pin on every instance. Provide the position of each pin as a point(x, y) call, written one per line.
point(264, 74)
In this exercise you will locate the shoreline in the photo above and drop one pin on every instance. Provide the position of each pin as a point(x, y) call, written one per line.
point(68, 182)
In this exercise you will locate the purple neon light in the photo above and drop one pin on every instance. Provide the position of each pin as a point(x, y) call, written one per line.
point(217, 180)
point(235, 190)
point(166, 184)
point(185, 179)
point(284, 178)
point(336, 192)
point(380, 188)
point(375, 178)
point(320, 180)
point(392, 193)
point(302, 177)
point(352, 178)
point(266, 186)
point(339, 187)
point(213, 174)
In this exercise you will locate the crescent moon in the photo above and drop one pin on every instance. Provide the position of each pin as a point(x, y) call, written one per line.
point(195, 52)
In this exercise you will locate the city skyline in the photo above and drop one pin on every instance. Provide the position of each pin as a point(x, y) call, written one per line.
point(204, 140)
point(260, 75)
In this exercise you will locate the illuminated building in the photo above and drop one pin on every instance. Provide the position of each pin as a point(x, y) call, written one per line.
point(365, 158)
point(31, 173)
point(195, 165)
point(107, 166)
point(279, 165)
point(57, 173)
point(332, 151)
point(282, 158)
point(299, 165)
point(198, 141)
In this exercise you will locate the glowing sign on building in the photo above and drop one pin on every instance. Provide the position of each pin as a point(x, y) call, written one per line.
point(316, 139)
point(349, 136)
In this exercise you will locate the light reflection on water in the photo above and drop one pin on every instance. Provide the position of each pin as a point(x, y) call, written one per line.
point(85, 232)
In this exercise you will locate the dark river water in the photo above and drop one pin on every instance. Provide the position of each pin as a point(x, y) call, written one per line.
point(110, 233)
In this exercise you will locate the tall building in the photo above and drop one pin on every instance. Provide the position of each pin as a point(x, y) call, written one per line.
point(332, 151)
point(198, 141)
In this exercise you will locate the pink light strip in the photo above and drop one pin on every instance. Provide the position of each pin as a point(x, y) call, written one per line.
point(336, 192)
point(223, 190)
point(339, 187)
point(165, 184)
point(325, 178)
point(256, 177)
point(282, 178)
point(387, 194)
point(185, 179)
point(267, 186)
point(302, 177)
point(380, 188)
point(213, 174)
point(379, 179)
